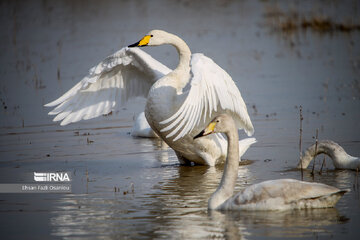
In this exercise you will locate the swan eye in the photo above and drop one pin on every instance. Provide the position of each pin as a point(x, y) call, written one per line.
point(217, 120)
point(151, 35)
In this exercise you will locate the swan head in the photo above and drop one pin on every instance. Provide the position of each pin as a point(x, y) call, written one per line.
point(153, 38)
point(220, 124)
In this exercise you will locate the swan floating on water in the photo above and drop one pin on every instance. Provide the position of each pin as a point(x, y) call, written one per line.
point(340, 158)
point(179, 102)
point(142, 128)
point(281, 194)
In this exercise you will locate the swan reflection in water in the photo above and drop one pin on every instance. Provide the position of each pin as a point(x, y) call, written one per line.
point(176, 207)
point(285, 224)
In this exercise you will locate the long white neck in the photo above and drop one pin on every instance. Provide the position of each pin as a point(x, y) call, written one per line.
point(228, 180)
point(182, 71)
point(340, 158)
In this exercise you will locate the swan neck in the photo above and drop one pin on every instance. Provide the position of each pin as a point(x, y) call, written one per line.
point(337, 154)
point(183, 67)
point(184, 55)
point(228, 180)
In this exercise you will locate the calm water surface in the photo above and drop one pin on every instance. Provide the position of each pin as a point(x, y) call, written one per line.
point(131, 188)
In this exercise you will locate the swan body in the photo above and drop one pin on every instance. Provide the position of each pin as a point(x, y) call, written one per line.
point(281, 194)
point(179, 102)
point(339, 157)
point(284, 194)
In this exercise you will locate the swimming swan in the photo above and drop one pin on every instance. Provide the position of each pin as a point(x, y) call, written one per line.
point(278, 194)
point(340, 158)
point(179, 102)
point(142, 128)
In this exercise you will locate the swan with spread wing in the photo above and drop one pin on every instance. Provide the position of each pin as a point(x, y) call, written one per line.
point(179, 102)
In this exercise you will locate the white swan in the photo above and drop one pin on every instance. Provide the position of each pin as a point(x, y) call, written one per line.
point(340, 158)
point(278, 194)
point(179, 102)
point(142, 128)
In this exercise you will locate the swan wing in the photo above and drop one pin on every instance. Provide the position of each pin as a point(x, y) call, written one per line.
point(211, 91)
point(283, 194)
point(128, 73)
point(290, 190)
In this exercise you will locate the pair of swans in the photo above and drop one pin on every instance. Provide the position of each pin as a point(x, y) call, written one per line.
point(281, 194)
point(179, 102)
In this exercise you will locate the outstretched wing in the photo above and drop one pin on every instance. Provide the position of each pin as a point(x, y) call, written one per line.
point(212, 91)
point(130, 72)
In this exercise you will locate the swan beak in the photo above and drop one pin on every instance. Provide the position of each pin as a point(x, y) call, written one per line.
point(142, 43)
point(208, 130)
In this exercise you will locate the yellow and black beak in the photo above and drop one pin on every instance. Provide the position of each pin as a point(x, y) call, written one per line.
point(208, 130)
point(143, 42)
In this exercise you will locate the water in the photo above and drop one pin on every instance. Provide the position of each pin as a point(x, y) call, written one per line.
point(124, 187)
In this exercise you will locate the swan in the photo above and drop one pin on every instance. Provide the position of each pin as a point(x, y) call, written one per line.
point(340, 158)
point(179, 102)
point(141, 128)
point(281, 194)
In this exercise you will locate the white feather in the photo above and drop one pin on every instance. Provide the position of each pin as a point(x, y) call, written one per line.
point(212, 90)
point(128, 73)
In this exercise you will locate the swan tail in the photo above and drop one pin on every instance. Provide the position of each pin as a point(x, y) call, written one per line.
point(324, 201)
point(244, 145)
